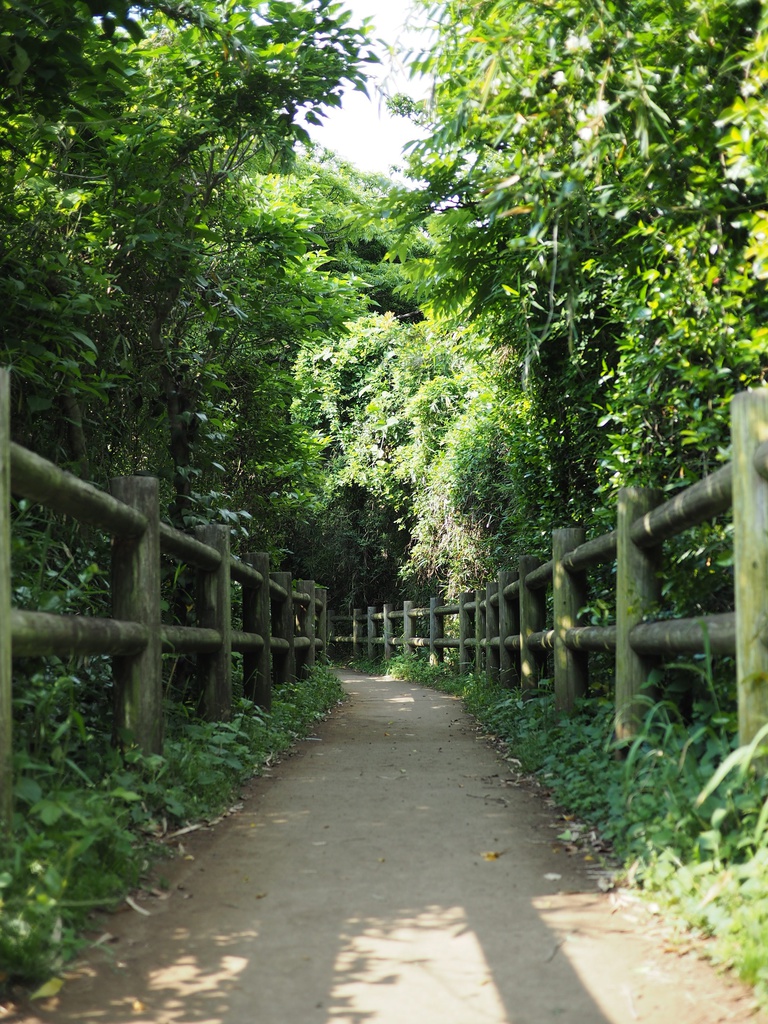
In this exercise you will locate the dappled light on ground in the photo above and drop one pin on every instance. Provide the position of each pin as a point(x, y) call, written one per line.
point(394, 873)
point(428, 965)
point(185, 978)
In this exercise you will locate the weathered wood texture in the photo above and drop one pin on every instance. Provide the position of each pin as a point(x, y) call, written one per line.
point(466, 630)
point(569, 597)
point(638, 591)
point(306, 618)
point(592, 553)
point(387, 632)
point(371, 632)
point(509, 624)
point(257, 666)
point(283, 658)
point(492, 652)
point(357, 632)
point(214, 611)
point(33, 477)
point(749, 429)
point(321, 638)
point(134, 636)
point(703, 500)
point(6, 678)
point(136, 598)
point(188, 549)
point(533, 617)
point(436, 632)
point(716, 633)
point(591, 638)
point(408, 628)
point(479, 631)
point(41, 634)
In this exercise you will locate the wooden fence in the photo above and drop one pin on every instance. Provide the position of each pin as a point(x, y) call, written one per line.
point(282, 628)
point(503, 629)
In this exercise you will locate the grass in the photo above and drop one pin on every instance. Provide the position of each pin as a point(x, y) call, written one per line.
point(87, 816)
point(685, 808)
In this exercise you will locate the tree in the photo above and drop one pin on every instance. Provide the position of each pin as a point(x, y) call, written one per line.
point(576, 192)
point(129, 212)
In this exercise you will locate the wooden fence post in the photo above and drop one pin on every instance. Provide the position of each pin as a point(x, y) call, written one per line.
point(492, 650)
point(436, 632)
point(408, 629)
point(257, 673)
point(357, 617)
point(509, 626)
point(283, 660)
point(570, 596)
point(533, 618)
point(214, 611)
point(6, 676)
point(138, 678)
point(466, 630)
point(371, 630)
point(321, 596)
point(479, 631)
point(306, 662)
point(749, 428)
point(638, 589)
point(387, 631)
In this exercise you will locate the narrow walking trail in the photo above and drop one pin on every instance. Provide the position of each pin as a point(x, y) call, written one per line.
point(393, 872)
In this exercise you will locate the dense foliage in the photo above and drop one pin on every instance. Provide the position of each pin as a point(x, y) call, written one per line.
point(592, 192)
point(390, 388)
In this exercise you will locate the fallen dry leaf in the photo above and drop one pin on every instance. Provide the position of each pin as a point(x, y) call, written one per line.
point(50, 988)
point(135, 906)
point(491, 854)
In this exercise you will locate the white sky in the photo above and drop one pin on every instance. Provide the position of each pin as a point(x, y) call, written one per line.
point(362, 131)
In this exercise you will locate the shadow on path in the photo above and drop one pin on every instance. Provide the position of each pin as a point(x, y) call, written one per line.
point(353, 888)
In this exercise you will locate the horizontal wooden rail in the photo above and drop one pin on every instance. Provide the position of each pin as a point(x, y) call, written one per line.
point(41, 634)
point(593, 552)
point(190, 640)
point(760, 460)
point(542, 641)
point(540, 577)
point(187, 549)
point(278, 639)
point(35, 478)
point(686, 636)
point(244, 574)
point(243, 643)
point(697, 503)
point(591, 638)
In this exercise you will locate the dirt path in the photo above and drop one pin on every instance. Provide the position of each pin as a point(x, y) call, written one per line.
point(389, 874)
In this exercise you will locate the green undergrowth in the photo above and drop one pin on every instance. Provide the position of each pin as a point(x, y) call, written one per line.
point(88, 818)
point(683, 806)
